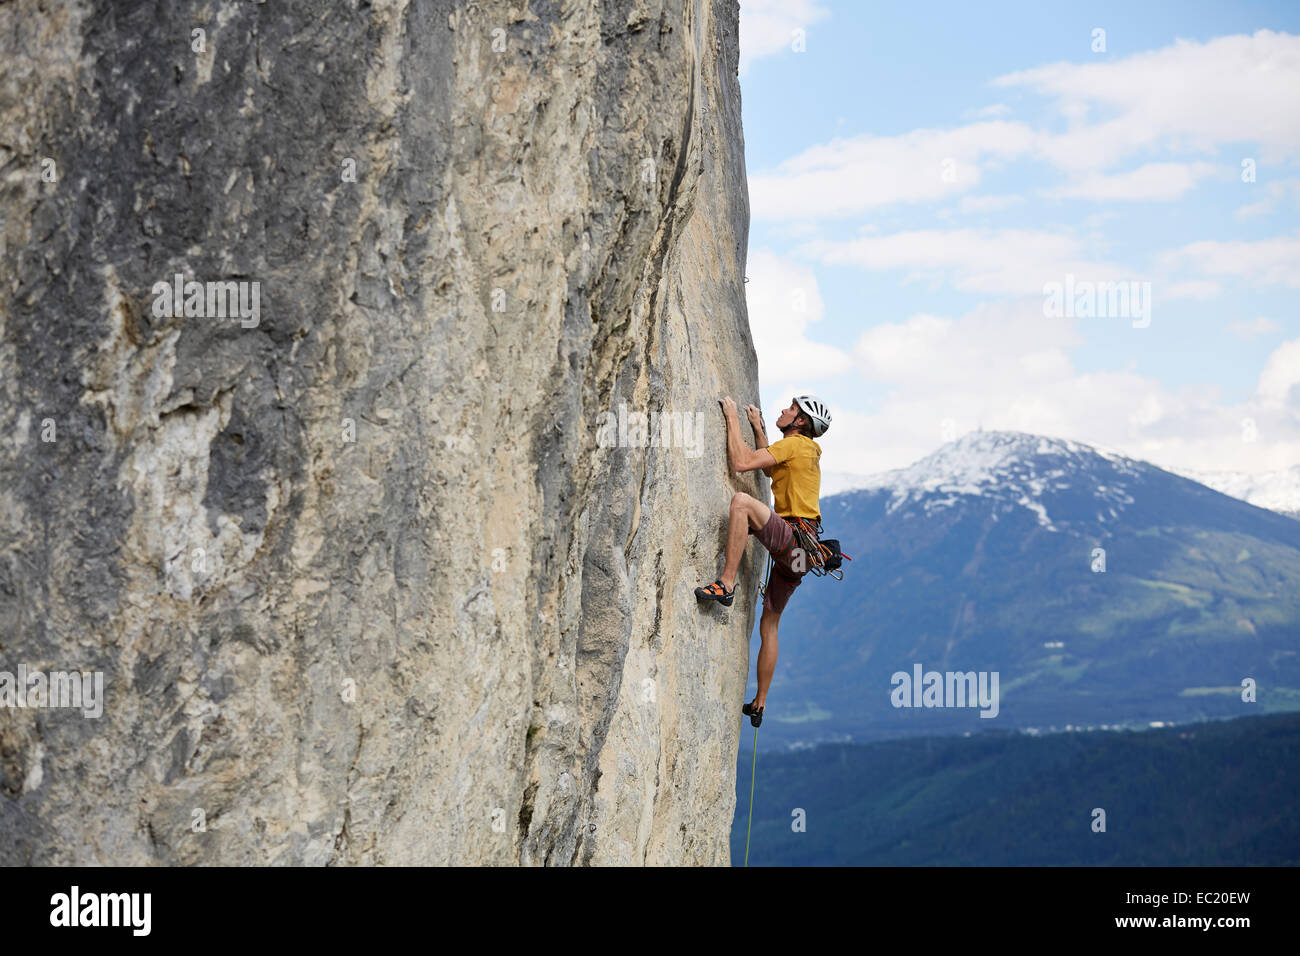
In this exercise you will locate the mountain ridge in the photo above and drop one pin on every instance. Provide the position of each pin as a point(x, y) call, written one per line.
point(1277, 491)
point(1103, 589)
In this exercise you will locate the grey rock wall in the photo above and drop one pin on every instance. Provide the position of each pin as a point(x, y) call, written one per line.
point(364, 580)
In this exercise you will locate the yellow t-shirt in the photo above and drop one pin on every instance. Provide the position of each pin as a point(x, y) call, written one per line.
point(796, 477)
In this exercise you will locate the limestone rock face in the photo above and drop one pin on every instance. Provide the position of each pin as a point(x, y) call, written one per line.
point(364, 544)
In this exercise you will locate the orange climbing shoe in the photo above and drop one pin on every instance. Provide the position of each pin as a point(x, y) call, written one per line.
point(716, 592)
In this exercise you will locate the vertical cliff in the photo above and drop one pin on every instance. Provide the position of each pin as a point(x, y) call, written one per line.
point(375, 571)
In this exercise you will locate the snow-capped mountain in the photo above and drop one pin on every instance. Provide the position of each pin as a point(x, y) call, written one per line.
point(1275, 490)
point(1016, 469)
point(1102, 588)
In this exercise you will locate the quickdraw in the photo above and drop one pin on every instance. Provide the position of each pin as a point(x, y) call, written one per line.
point(824, 557)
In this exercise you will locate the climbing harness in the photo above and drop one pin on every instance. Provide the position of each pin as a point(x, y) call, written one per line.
point(824, 557)
point(752, 768)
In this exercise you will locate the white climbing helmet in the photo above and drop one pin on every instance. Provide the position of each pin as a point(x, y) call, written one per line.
point(817, 412)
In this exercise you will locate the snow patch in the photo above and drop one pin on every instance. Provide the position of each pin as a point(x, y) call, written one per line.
point(1012, 467)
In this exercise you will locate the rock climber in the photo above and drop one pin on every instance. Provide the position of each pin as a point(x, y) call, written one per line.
point(793, 464)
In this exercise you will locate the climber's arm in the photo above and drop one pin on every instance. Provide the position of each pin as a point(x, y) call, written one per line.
point(741, 456)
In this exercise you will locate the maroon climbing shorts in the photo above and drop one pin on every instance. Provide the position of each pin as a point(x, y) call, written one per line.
point(779, 540)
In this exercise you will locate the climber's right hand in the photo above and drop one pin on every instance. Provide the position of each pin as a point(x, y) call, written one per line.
point(755, 416)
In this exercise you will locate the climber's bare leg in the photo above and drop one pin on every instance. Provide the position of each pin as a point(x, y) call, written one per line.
point(746, 512)
point(766, 654)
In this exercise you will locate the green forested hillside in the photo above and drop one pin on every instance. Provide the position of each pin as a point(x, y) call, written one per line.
point(1215, 793)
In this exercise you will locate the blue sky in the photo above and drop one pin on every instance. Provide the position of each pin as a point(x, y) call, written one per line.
point(919, 173)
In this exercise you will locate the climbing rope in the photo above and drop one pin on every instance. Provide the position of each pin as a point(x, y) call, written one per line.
point(750, 827)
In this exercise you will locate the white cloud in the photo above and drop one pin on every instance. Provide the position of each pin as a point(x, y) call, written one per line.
point(767, 26)
point(1275, 194)
point(1006, 261)
point(1239, 91)
point(1281, 375)
point(845, 177)
point(1152, 181)
point(1000, 342)
point(783, 300)
point(1004, 366)
point(994, 111)
point(1094, 221)
point(799, 230)
point(1148, 127)
point(978, 204)
point(1201, 289)
point(1253, 328)
point(1188, 96)
point(1274, 261)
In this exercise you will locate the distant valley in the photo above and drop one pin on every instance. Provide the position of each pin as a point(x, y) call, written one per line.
point(1217, 794)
